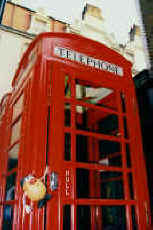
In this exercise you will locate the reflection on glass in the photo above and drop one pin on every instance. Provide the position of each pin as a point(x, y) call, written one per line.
point(96, 95)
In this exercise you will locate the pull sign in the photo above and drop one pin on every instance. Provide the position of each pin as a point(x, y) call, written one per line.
point(89, 61)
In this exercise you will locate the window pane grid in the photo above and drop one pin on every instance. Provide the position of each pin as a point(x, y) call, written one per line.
point(82, 216)
point(96, 135)
point(73, 130)
point(102, 108)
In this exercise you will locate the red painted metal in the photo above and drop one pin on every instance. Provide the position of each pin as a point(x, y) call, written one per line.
point(40, 79)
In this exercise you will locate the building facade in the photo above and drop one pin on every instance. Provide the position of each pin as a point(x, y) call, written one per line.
point(93, 26)
point(146, 7)
point(20, 25)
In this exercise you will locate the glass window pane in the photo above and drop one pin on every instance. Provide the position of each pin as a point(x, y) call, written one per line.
point(126, 133)
point(12, 163)
point(114, 217)
point(83, 218)
point(112, 185)
point(67, 111)
point(94, 120)
point(134, 219)
point(109, 125)
point(16, 129)
point(67, 217)
point(18, 107)
point(7, 223)
point(101, 217)
point(10, 186)
point(130, 180)
point(123, 103)
point(67, 87)
point(128, 156)
point(67, 154)
point(96, 95)
point(92, 150)
point(99, 184)
point(14, 152)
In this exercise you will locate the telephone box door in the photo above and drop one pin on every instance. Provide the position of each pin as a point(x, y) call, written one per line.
point(95, 154)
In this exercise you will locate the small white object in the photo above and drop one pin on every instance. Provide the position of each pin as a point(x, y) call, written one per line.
point(28, 209)
point(104, 162)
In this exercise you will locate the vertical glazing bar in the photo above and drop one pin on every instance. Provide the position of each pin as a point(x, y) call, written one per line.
point(92, 176)
point(95, 181)
point(124, 160)
point(73, 154)
point(56, 148)
point(129, 217)
point(73, 126)
point(60, 215)
point(123, 147)
point(42, 219)
point(137, 158)
point(98, 210)
point(73, 216)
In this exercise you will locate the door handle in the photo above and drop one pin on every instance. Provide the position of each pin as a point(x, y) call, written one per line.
point(53, 181)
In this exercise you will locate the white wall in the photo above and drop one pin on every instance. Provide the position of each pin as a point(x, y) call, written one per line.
point(11, 49)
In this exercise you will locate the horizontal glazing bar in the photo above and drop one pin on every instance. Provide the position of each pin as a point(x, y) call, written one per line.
point(94, 166)
point(8, 202)
point(100, 202)
point(92, 106)
point(12, 145)
point(97, 135)
point(10, 172)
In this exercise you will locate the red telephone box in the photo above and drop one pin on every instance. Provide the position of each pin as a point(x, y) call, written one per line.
point(73, 108)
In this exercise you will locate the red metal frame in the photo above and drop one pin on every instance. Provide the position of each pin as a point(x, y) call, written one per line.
point(40, 78)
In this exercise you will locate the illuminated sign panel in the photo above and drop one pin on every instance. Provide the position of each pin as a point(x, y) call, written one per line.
point(89, 61)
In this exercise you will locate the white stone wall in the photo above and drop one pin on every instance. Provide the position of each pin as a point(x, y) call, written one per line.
point(94, 27)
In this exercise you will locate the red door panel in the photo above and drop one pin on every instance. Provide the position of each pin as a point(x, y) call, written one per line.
point(94, 153)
